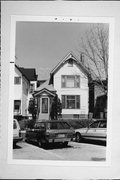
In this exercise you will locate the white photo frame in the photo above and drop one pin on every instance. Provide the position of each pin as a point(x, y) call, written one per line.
point(103, 12)
point(60, 19)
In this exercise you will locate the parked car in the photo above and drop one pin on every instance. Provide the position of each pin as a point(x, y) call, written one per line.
point(95, 131)
point(16, 132)
point(50, 131)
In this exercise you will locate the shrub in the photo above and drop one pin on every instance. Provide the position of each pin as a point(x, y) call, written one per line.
point(23, 124)
point(30, 123)
point(26, 123)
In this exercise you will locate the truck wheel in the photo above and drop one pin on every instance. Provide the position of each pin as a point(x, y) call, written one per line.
point(27, 140)
point(65, 143)
point(14, 144)
point(39, 143)
point(78, 137)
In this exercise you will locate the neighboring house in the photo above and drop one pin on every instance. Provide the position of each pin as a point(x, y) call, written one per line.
point(100, 108)
point(25, 82)
point(69, 79)
point(98, 99)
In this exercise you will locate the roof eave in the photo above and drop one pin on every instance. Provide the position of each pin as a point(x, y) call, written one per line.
point(22, 73)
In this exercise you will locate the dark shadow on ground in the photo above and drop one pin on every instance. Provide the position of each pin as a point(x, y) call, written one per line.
point(56, 146)
point(15, 146)
point(51, 145)
point(96, 142)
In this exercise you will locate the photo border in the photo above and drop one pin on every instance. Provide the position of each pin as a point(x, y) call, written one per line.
point(16, 18)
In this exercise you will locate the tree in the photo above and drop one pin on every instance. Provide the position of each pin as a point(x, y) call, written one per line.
point(94, 50)
point(32, 108)
point(56, 108)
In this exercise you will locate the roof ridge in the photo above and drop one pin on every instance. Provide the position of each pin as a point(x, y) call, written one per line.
point(65, 58)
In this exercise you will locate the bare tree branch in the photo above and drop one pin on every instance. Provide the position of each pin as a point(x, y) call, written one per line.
point(95, 48)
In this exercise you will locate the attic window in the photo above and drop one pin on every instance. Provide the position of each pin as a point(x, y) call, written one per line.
point(70, 63)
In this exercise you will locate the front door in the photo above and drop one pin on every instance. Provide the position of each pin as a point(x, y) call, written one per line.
point(44, 108)
point(45, 105)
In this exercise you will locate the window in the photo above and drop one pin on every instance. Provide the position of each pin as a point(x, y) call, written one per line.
point(71, 101)
point(17, 106)
point(70, 63)
point(17, 80)
point(70, 81)
point(76, 116)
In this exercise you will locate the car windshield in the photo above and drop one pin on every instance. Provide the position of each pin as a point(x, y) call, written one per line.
point(58, 125)
point(94, 125)
point(102, 124)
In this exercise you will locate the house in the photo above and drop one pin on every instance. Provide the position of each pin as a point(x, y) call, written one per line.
point(69, 80)
point(25, 82)
point(98, 99)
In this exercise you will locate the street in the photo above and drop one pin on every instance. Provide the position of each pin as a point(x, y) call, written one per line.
point(74, 151)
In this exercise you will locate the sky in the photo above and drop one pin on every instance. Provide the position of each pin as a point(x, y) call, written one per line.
point(41, 45)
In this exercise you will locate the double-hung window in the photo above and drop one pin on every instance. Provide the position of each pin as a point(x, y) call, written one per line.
point(70, 81)
point(71, 101)
point(17, 80)
point(17, 106)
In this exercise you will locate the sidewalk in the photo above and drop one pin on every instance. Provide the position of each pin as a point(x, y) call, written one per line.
point(33, 152)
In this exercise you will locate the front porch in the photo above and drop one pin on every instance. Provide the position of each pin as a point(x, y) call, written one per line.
point(44, 99)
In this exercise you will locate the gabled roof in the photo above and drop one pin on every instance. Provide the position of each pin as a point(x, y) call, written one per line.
point(29, 73)
point(21, 72)
point(46, 85)
point(72, 56)
point(44, 90)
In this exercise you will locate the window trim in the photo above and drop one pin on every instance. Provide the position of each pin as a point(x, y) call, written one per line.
point(44, 112)
point(16, 80)
point(64, 78)
point(17, 110)
point(70, 63)
point(64, 98)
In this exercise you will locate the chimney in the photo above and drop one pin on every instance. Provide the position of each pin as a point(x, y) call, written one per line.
point(82, 58)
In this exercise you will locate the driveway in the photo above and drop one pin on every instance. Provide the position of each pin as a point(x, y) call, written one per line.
point(74, 151)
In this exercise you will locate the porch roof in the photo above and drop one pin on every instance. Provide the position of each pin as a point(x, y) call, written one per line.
point(44, 90)
point(45, 87)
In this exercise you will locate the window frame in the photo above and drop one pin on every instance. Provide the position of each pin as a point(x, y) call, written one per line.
point(44, 111)
point(17, 110)
point(64, 101)
point(76, 81)
point(17, 80)
point(70, 63)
